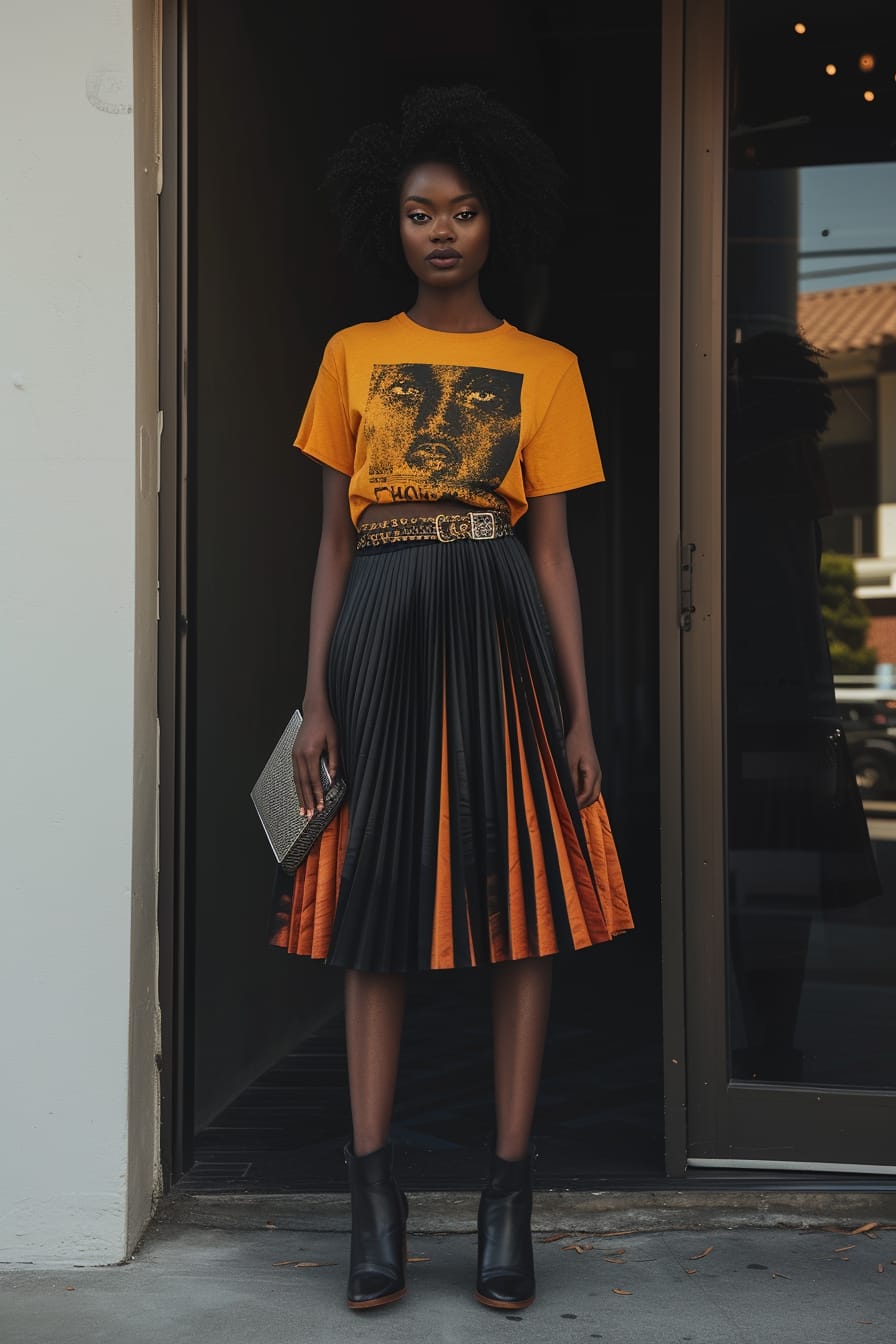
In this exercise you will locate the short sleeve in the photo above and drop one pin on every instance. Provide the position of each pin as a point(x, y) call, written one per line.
point(563, 454)
point(325, 432)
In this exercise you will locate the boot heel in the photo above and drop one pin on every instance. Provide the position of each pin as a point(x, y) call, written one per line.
point(505, 1275)
point(379, 1230)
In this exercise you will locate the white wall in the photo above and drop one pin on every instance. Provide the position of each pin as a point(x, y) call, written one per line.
point(77, 870)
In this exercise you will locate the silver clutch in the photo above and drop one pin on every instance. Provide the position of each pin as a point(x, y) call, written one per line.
point(289, 834)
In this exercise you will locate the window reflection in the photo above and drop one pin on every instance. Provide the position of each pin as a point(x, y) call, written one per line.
point(811, 549)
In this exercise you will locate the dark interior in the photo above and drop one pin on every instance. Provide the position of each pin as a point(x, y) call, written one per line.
point(275, 88)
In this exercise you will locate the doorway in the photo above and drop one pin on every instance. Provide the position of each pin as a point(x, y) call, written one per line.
point(273, 90)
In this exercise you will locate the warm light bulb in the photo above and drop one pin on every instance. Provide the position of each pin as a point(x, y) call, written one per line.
point(799, 28)
point(832, 69)
point(868, 96)
point(866, 61)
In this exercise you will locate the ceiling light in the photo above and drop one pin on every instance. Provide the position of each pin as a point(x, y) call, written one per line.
point(831, 69)
point(868, 96)
point(799, 28)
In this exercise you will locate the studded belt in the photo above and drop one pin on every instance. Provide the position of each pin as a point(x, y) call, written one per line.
point(474, 526)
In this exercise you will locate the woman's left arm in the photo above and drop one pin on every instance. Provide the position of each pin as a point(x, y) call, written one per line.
point(548, 545)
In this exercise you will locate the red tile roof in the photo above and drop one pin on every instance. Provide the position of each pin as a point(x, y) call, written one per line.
point(852, 318)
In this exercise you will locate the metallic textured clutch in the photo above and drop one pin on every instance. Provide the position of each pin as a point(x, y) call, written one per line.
point(291, 835)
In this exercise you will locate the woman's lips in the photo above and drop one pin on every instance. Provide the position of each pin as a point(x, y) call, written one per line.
point(443, 258)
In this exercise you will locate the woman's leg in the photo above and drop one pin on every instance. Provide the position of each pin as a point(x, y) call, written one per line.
point(505, 1266)
point(521, 1000)
point(374, 1009)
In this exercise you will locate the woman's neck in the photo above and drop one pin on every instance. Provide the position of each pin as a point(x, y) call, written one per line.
point(452, 310)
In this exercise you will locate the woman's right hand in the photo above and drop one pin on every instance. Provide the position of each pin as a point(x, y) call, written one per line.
point(317, 737)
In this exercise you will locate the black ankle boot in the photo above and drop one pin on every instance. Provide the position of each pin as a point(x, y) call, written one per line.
point(379, 1217)
point(506, 1271)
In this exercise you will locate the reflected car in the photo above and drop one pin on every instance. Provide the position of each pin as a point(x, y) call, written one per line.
point(869, 725)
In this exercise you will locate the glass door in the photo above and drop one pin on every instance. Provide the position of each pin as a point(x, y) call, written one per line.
point(789, 551)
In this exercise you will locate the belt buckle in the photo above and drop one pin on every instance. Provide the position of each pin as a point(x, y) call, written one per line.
point(483, 526)
point(439, 519)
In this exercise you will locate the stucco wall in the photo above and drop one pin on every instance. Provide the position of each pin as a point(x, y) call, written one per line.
point(77, 613)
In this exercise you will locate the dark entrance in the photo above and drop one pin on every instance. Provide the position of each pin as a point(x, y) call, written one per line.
point(272, 90)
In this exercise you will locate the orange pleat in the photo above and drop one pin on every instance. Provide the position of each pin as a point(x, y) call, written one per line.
point(607, 868)
point(314, 892)
point(442, 947)
point(603, 902)
point(518, 932)
point(544, 932)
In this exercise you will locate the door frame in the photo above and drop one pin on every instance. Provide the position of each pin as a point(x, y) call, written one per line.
point(730, 1123)
point(669, 591)
point(175, 938)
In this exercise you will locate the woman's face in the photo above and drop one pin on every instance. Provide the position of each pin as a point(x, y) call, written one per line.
point(444, 226)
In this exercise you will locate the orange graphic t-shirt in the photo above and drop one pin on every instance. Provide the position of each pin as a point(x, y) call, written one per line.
point(489, 418)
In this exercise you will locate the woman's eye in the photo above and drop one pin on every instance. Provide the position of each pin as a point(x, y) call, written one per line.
point(418, 217)
point(467, 214)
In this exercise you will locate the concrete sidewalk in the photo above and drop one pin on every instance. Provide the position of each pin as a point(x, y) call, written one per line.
point(191, 1285)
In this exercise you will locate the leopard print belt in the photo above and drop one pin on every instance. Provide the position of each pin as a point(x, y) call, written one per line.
point(473, 526)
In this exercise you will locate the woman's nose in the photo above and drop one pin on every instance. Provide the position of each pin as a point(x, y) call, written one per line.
point(441, 231)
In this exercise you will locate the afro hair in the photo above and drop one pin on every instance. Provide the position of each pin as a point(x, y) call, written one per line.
point(510, 167)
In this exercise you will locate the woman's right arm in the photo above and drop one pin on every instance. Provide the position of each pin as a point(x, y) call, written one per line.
point(318, 736)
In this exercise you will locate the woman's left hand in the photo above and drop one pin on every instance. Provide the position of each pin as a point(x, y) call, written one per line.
point(584, 766)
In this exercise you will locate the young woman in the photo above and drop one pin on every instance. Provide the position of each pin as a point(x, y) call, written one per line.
point(445, 671)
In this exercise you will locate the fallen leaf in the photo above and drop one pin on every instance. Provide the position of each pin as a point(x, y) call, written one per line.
point(419, 1259)
point(866, 1322)
point(844, 1258)
point(691, 1271)
point(555, 1236)
point(579, 1247)
point(304, 1264)
point(70, 1290)
point(866, 1227)
point(623, 1292)
point(851, 1247)
point(780, 1276)
point(880, 1269)
point(701, 1254)
point(614, 1234)
point(270, 1224)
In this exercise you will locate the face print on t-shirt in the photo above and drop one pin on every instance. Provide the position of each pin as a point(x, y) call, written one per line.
point(434, 429)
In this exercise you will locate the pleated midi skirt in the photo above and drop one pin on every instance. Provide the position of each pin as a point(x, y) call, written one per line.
point(460, 843)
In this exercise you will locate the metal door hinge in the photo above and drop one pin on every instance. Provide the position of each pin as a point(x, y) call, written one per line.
point(686, 584)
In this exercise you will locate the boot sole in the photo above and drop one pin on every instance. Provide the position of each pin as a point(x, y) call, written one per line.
point(505, 1306)
point(377, 1301)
